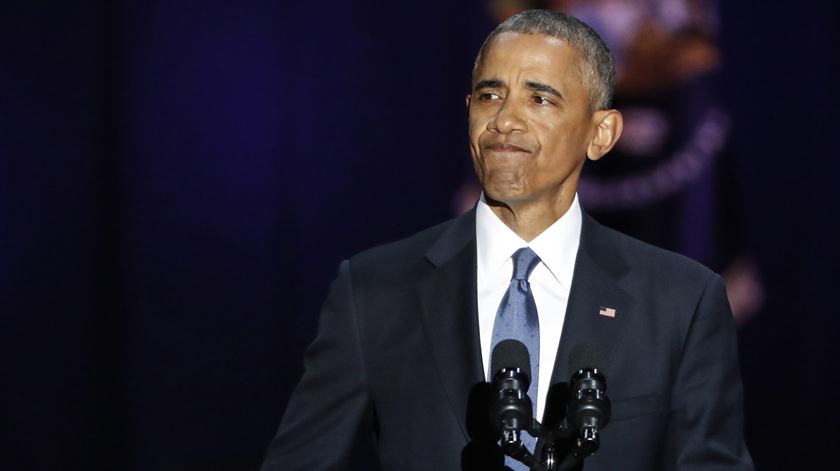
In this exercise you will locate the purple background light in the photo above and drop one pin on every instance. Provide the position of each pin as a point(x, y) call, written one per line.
point(179, 181)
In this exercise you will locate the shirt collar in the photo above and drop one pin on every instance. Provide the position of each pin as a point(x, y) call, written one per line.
point(556, 246)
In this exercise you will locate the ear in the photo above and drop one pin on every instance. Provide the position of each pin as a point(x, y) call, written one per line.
point(467, 100)
point(608, 126)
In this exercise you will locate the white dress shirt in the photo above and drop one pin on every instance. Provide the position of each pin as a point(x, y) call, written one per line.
point(550, 281)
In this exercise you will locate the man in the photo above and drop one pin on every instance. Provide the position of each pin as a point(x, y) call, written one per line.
point(404, 342)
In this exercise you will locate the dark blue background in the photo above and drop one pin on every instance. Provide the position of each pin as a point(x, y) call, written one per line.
point(181, 178)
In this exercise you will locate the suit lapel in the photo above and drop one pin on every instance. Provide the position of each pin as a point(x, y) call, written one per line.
point(596, 284)
point(450, 313)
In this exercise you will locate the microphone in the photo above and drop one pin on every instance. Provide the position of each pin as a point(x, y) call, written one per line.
point(588, 409)
point(511, 410)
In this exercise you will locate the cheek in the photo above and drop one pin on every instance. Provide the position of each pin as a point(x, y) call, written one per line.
point(565, 140)
point(473, 129)
point(475, 132)
point(477, 119)
point(475, 124)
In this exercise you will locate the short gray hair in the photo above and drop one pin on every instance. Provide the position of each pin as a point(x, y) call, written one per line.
point(598, 65)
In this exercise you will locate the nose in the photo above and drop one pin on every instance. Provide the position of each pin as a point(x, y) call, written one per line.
point(508, 119)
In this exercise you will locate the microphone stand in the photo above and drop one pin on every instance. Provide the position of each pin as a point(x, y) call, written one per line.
point(512, 446)
point(551, 459)
point(588, 410)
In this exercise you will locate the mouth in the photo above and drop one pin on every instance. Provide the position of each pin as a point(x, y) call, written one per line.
point(505, 147)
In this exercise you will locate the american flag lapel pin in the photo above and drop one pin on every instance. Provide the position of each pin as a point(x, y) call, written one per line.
point(606, 311)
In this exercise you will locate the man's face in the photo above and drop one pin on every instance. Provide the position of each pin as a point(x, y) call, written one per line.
point(530, 121)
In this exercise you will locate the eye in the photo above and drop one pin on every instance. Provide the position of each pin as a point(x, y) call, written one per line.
point(489, 96)
point(541, 100)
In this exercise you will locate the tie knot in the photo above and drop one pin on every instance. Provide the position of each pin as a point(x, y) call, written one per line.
point(524, 261)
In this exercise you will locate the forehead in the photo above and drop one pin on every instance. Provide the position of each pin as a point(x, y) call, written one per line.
point(537, 55)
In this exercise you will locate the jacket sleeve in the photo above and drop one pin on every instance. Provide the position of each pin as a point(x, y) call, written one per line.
point(706, 416)
point(329, 405)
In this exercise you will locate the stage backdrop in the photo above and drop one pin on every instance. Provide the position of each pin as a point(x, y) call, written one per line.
point(179, 181)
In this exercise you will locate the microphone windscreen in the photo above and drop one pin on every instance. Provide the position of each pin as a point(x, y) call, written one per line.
point(510, 353)
point(587, 355)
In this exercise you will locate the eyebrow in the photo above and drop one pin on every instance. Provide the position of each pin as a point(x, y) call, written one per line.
point(490, 83)
point(534, 86)
point(545, 88)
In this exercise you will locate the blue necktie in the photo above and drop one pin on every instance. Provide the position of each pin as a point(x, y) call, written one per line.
point(517, 319)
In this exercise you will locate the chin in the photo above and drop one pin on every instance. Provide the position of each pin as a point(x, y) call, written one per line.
point(504, 193)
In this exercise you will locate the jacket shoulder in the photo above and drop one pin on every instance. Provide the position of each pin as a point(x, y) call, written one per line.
point(395, 257)
point(643, 258)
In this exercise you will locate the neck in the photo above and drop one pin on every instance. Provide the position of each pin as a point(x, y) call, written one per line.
point(529, 221)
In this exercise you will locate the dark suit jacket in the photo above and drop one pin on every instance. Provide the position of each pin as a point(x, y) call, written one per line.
point(397, 358)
